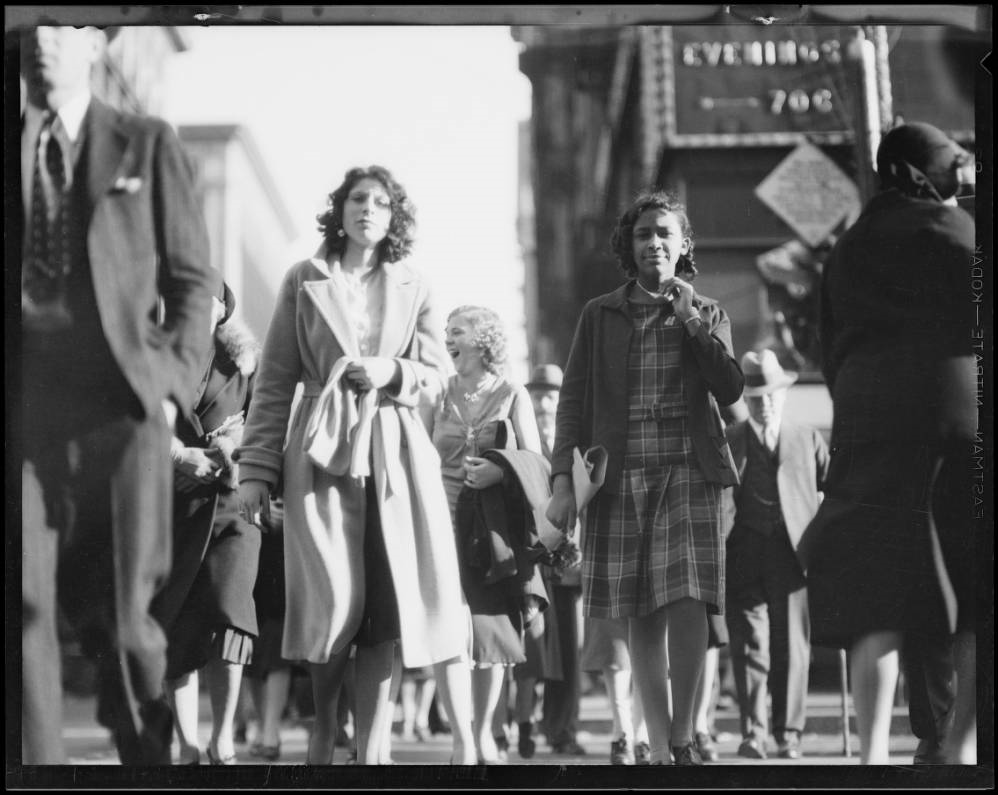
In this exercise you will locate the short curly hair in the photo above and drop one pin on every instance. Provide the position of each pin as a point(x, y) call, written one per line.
point(622, 239)
point(487, 334)
point(398, 242)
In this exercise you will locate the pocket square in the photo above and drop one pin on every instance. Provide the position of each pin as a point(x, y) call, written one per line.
point(127, 185)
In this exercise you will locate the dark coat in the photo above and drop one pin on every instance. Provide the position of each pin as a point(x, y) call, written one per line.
point(897, 312)
point(202, 512)
point(803, 466)
point(498, 529)
point(146, 240)
point(593, 405)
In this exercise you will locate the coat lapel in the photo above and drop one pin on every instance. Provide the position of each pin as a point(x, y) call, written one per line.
point(401, 302)
point(331, 306)
point(106, 147)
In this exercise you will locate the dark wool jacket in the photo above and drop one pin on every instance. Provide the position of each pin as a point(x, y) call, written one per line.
point(594, 395)
point(897, 312)
point(497, 524)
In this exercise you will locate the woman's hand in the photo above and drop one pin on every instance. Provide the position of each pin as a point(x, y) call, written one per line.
point(531, 610)
point(561, 510)
point(480, 473)
point(681, 295)
point(371, 372)
point(198, 464)
point(254, 501)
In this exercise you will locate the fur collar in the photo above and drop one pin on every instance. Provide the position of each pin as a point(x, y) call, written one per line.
point(234, 339)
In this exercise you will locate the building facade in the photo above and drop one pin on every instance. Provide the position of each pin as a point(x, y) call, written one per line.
point(759, 128)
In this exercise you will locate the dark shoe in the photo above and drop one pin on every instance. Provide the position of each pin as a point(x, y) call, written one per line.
point(269, 752)
point(686, 754)
point(620, 752)
point(752, 748)
point(642, 754)
point(194, 760)
point(706, 747)
point(220, 760)
point(568, 748)
point(525, 745)
point(929, 752)
point(789, 748)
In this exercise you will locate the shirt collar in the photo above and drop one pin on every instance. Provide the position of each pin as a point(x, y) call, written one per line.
point(759, 430)
point(70, 114)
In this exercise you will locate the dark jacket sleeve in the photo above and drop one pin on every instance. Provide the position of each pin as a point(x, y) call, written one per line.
point(715, 355)
point(572, 398)
point(186, 281)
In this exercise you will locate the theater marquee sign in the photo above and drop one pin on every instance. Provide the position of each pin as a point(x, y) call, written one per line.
point(751, 85)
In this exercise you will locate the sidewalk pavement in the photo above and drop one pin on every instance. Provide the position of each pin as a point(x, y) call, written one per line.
point(87, 743)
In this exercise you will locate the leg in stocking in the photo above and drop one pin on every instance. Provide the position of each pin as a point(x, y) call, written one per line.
point(486, 686)
point(687, 643)
point(183, 695)
point(874, 673)
point(327, 678)
point(275, 698)
point(223, 690)
point(960, 747)
point(374, 671)
point(649, 666)
point(453, 679)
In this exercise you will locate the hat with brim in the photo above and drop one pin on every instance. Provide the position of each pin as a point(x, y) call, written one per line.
point(545, 376)
point(763, 373)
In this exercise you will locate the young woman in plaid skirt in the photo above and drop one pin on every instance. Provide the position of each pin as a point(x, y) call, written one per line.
point(649, 366)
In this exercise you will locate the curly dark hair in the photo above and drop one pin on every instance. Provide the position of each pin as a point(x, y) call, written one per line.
point(487, 334)
point(398, 242)
point(622, 239)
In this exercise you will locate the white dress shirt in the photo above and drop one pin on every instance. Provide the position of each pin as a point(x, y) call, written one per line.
point(768, 435)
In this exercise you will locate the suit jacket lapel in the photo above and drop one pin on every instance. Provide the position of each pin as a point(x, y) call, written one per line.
point(106, 146)
point(401, 294)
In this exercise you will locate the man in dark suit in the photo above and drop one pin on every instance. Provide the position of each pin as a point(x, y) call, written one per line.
point(115, 300)
point(781, 468)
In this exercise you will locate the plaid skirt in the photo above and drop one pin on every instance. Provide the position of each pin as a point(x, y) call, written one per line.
point(658, 539)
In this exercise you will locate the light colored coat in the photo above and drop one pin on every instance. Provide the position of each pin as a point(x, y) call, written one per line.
point(309, 341)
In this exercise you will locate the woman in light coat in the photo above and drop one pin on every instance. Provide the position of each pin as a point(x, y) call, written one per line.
point(369, 549)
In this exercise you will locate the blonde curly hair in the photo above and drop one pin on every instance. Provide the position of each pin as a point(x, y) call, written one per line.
point(487, 334)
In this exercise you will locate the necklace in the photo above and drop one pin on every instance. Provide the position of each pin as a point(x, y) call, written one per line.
point(475, 396)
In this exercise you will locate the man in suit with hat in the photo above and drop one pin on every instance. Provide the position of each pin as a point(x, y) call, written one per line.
point(115, 302)
point(781, 468)
point(561, 696)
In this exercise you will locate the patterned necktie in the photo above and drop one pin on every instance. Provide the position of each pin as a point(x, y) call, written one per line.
point(43, 278)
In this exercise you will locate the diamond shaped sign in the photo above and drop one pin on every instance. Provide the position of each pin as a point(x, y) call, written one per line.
point(810, 193)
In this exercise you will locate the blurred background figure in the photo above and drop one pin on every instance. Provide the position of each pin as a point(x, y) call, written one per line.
point(113, 241)
point(268, 676)
point(782, 468)
point(605, 651)
point(206, 606)
point(563, 579)
point(892, 549)
point(416, 694)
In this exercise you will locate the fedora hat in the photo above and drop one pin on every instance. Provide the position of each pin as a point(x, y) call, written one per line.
point(764, 374)
point(545, 376)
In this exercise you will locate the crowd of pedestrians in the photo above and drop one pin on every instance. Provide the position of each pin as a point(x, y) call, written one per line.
point(363, 498)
